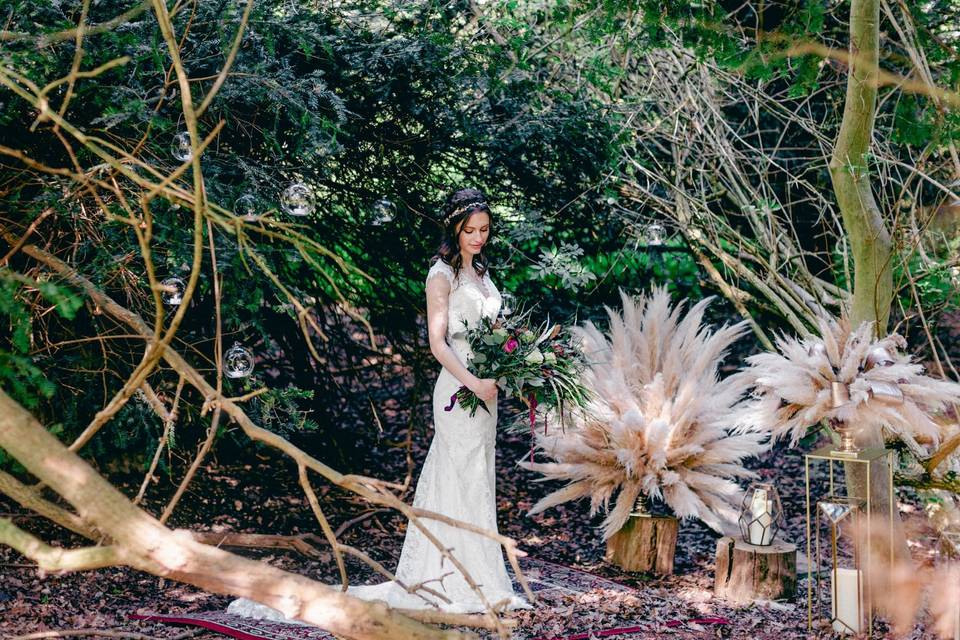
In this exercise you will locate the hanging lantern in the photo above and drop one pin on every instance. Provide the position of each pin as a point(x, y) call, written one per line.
point(655, 234)
point(761, 514)
point(384, 212)
point(237, 362)
point(180, 148)
point(297, 200)
point(172, 291)
point(246, 207)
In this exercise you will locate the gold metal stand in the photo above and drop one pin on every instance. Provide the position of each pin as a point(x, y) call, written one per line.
point(831, 455)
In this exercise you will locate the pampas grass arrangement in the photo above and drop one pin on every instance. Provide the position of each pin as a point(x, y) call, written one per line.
point(657, 424)
point(791, 389)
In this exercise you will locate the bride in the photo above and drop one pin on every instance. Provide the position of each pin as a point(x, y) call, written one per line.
point(457, 479)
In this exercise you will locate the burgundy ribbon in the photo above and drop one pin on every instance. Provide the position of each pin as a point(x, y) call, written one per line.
point(453, 401)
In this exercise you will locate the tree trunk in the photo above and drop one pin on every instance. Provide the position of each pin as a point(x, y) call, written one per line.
point(869, 237)
point(140, 541)
point(747, 572)
point(645, 543)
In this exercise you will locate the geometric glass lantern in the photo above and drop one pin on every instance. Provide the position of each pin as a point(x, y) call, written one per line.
point(839, 521)
point(761, 514)
point(237, 362)
point(840, 539)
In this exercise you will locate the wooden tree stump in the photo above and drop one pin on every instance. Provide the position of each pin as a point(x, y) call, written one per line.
point(747, 572)
point(645, 543)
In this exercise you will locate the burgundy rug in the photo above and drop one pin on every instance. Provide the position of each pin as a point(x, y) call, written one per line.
point(542, 577)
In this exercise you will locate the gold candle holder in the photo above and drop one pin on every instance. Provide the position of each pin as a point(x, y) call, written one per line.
point(839, 531)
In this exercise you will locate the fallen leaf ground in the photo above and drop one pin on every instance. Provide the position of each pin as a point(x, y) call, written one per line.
point(252, 489)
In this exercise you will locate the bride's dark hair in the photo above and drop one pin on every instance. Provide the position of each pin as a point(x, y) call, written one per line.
point(458, 208)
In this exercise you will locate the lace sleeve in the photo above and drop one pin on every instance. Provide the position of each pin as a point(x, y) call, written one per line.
point(441, 268)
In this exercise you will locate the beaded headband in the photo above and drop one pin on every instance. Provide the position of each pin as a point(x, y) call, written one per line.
point(470, 205)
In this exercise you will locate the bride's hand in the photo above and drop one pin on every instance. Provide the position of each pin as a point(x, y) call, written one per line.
point(485, 389)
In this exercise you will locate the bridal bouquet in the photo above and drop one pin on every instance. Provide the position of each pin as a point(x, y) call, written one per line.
point(539, 366)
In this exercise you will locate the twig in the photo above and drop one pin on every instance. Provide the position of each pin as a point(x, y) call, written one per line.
point(197, 461)
point(164, 438)
point(324, 525)
point(363, 516)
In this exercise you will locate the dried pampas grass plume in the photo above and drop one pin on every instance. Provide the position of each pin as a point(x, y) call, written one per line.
point(656, 424)
point(792, 388)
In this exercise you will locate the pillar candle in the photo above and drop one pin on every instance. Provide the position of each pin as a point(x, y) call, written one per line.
point(846, 603)
point(761, 518)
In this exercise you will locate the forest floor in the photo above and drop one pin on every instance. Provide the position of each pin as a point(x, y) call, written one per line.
point(255, 490)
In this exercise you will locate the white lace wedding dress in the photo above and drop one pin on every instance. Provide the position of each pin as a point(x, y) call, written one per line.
point(457, 480)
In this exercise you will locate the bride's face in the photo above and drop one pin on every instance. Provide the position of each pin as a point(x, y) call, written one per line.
point(474, 233)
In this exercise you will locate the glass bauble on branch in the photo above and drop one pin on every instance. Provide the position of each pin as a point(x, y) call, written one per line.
point(246, 207)
point(172, 291)
point(237, 361)
point(384, 212)
point(298, 200)
point(180, 147)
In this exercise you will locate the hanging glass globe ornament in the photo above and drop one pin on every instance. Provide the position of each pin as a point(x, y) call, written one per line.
point(655, 234)
point(246, 207)
point(507, 303)
point(297, 200)
point(180, 148)
point(172, 291)
point(237, 362)
point(384, 211)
